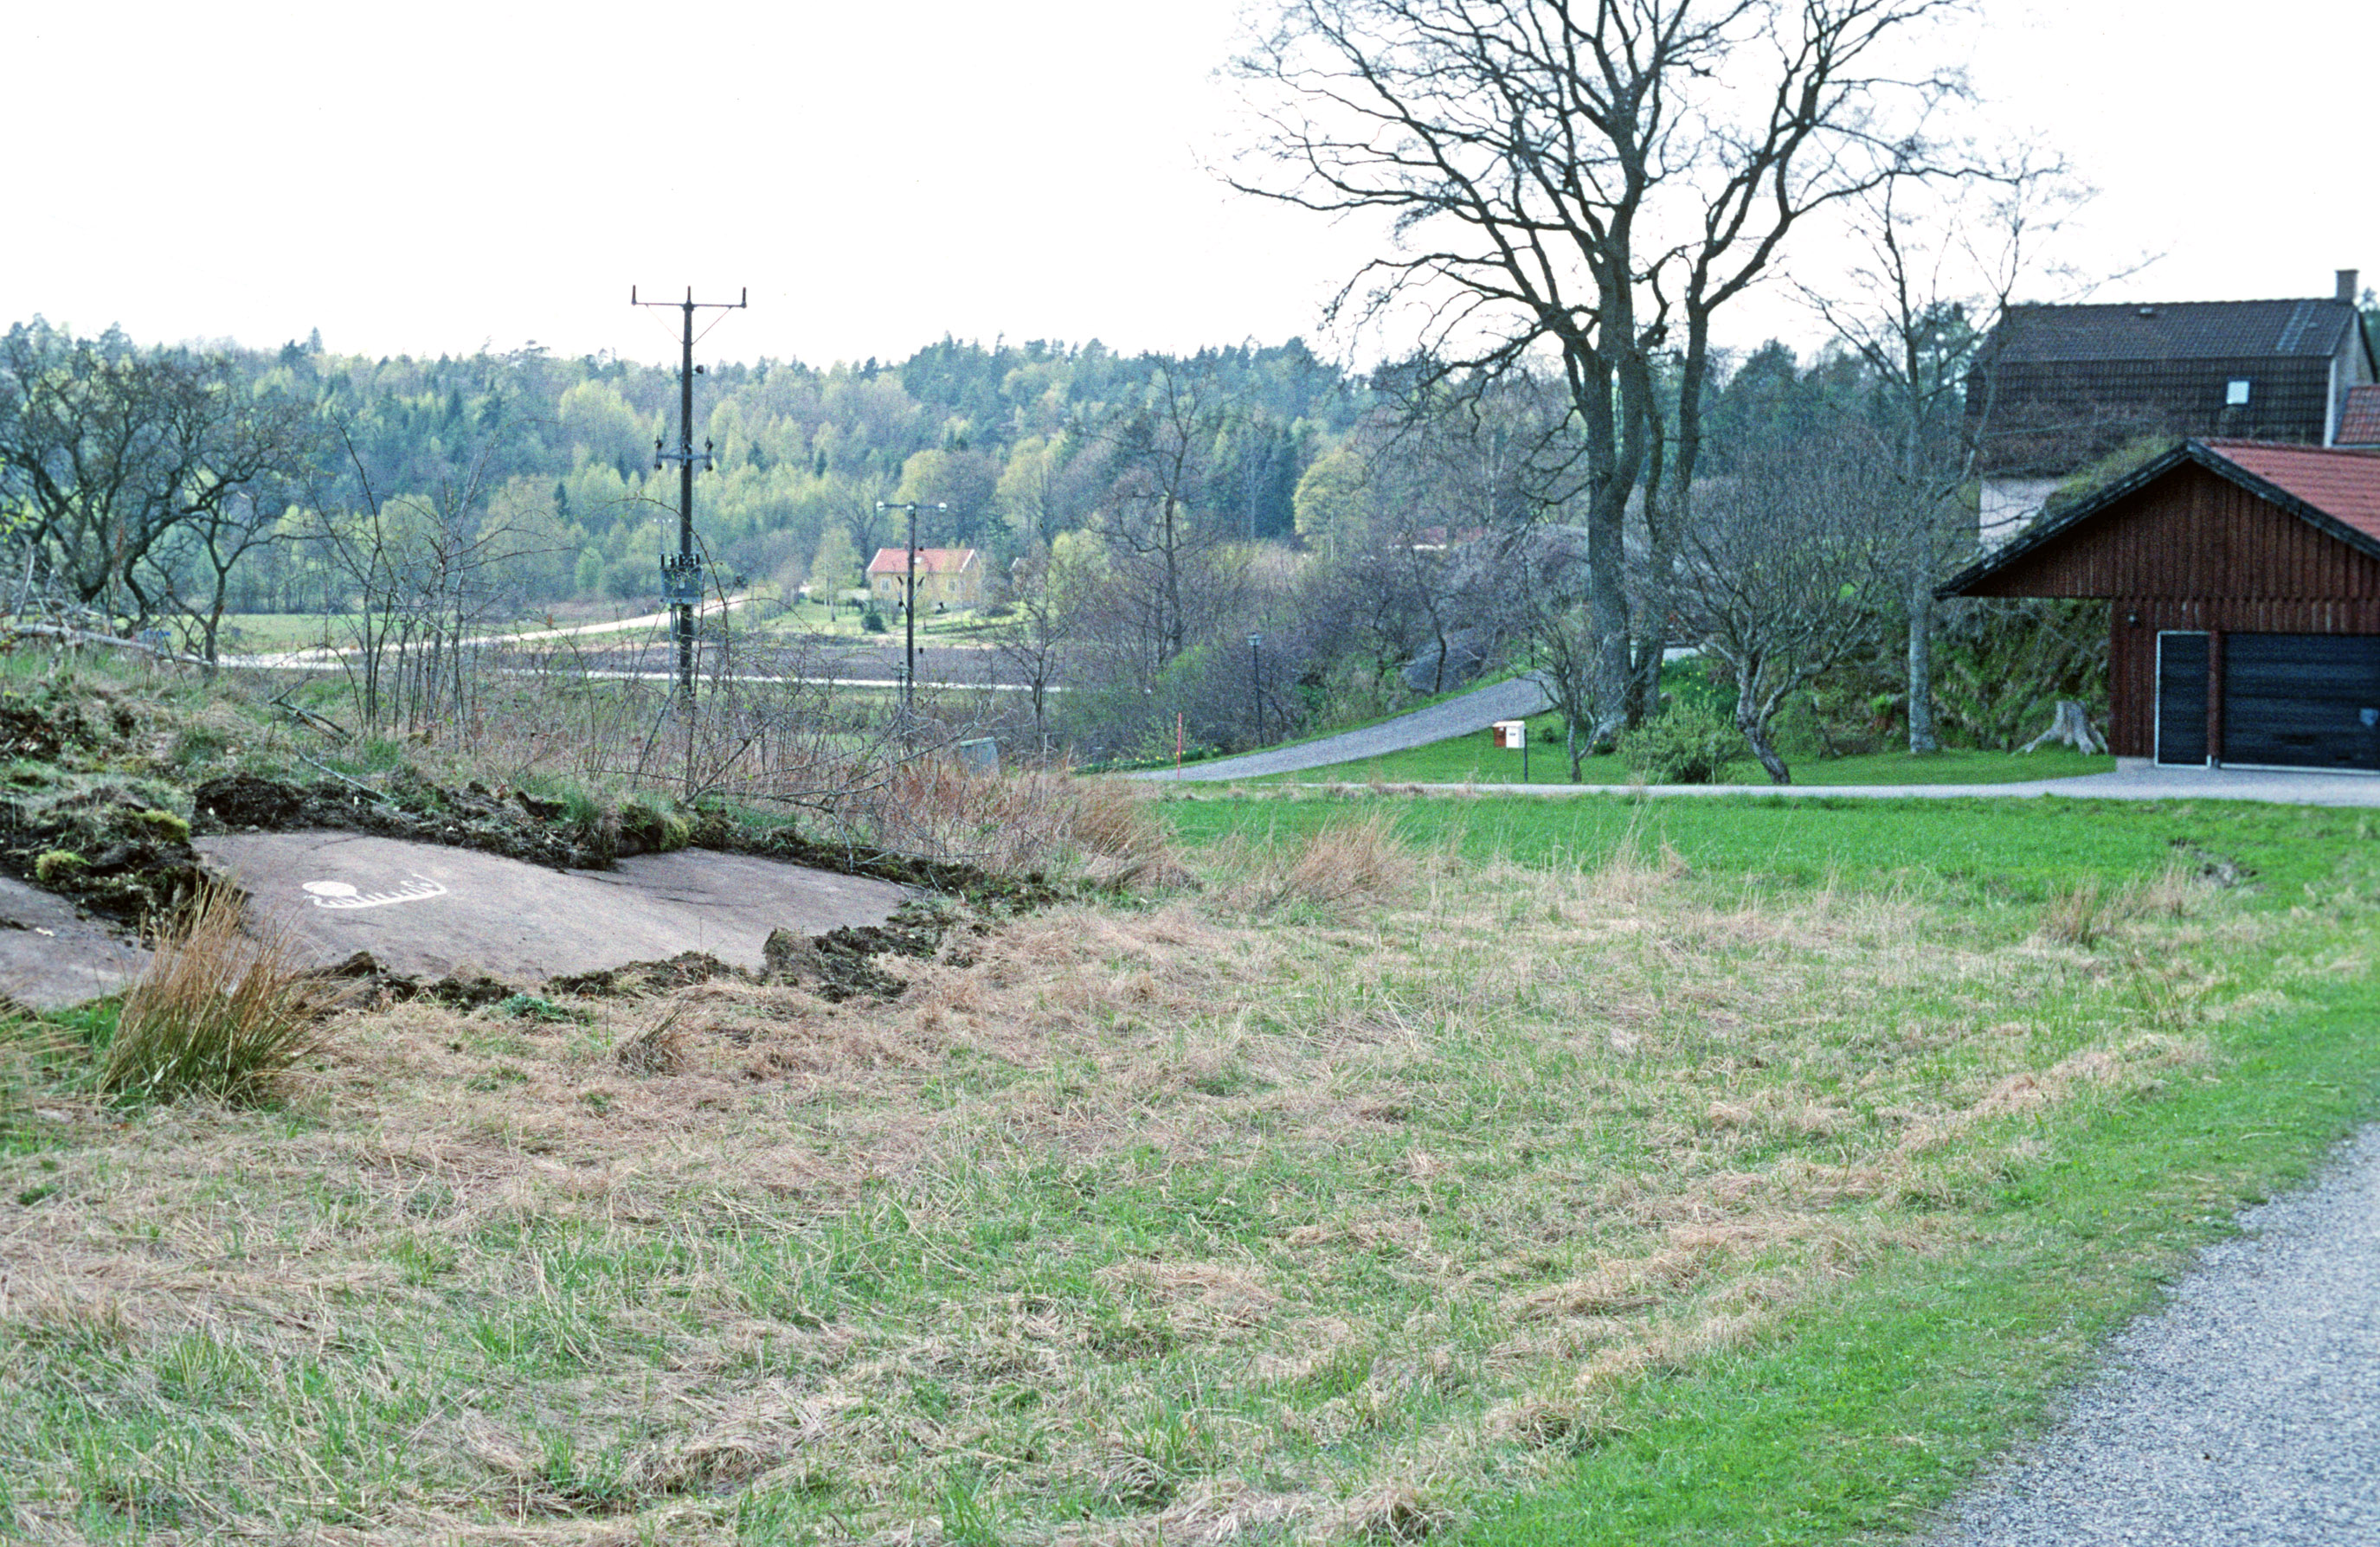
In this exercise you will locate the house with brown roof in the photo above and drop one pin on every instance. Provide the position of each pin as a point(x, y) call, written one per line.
point(947, 577)
point(2244, 584)
point(2058, 387)
point(2359, 422)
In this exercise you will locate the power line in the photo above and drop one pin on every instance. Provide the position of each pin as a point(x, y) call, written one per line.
point(682, 575)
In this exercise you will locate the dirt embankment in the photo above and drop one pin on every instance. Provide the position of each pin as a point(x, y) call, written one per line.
point(96, 809)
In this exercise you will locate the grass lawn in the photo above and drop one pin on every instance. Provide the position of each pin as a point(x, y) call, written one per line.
point(1471, 759)
point(1486, 1169)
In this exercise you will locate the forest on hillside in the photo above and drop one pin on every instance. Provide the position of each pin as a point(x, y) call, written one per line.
point(559, 453)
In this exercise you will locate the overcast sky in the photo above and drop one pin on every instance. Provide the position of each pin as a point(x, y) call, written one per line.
point(428, 178)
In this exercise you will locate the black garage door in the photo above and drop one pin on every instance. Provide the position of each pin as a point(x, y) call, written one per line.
point(2295, 700)
point(2182, 699)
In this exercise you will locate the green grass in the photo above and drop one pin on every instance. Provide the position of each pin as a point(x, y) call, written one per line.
point(1862, 1417)
point(1980, 848)
point(1472, 759)
point(1867, 1417)
point(1637, 1172)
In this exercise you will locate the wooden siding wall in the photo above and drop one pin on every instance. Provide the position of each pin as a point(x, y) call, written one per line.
point(2195, 552)
point(2134, 622)
point(2193, 533)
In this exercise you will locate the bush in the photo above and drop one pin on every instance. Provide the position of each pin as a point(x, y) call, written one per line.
point(872, 620)
point(222, 1011)
point(1689, 742)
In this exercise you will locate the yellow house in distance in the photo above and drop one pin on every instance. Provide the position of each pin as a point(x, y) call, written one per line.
point(946, 577)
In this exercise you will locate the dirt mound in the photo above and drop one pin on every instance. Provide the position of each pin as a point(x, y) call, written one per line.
point(406, 805)
point(113, 845)
point(682, 971)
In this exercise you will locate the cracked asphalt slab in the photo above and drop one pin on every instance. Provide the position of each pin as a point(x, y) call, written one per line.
point(425, 911)
point(2246, 1411)
point(54, 958)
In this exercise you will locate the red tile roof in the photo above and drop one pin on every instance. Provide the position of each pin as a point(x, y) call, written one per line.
point(930, 560)
point(2341, 484)
point(2358, 423)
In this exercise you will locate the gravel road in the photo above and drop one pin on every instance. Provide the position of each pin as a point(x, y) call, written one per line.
point(1473, 711)
point(2246, 1411)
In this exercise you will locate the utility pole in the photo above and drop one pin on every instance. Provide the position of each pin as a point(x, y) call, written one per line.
point(909, 598)
point(682, 575)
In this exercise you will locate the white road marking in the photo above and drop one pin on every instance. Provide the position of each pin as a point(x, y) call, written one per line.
point(339, 894)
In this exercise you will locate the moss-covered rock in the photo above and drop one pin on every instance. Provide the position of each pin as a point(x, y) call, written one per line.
point(60, 869)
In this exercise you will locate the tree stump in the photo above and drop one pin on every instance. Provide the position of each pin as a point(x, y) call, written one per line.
point(2070, 727)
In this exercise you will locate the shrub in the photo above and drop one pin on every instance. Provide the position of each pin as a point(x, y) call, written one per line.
point(1687, 743)
point(872, 620)
point(222, 1009)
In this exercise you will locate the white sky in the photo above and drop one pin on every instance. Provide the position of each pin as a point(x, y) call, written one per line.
point(427, 178)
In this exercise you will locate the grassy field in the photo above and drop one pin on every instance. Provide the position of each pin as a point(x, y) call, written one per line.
point(1482, 1169)
point(1471, 759)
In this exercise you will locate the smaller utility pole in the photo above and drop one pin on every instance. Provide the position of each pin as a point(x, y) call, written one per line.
point(909, 596)
point(1256, 682)
point(682, 576)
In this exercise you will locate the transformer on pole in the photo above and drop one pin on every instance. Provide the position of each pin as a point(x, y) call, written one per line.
point(682, 573)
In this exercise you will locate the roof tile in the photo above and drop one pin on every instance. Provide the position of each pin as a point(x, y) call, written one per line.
point(2343, 485)
point(2174, 331)
point(2358, 423)
point(930, 560)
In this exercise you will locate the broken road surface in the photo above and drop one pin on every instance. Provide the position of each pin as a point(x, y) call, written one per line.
point(51, 957)
point(425, 911)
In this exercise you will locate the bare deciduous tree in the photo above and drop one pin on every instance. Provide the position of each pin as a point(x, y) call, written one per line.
point(1593, 179)
point(1159, 452)
point(1941, 261)
point(114, 449)
point(1779, 577)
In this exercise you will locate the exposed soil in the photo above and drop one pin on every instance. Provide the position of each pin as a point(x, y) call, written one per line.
point(520, 826)
point(837, 965)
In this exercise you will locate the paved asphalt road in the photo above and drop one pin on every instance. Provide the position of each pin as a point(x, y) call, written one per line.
point(2246, 1411)
point(1455, 716)
point(1522, 695)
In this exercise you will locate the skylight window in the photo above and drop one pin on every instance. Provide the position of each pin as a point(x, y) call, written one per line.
point(2235, 394)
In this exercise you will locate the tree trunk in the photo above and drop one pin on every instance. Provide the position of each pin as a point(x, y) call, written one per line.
point(1922, 736)
point(1754, 725)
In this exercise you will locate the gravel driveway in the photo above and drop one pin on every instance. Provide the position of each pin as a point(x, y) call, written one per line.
point(2248, 1411)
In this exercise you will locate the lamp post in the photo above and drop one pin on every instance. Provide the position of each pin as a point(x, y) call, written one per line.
point(1256, 683)
point(909, 598)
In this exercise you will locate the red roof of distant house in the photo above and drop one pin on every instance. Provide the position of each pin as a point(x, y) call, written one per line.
point(2341, 484)
point(930, 560)
point(2358, 423)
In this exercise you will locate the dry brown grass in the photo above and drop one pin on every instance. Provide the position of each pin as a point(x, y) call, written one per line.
point(2086, 913)
point(1346, 862)
point(1017, 822)
point(222, 1009)
point(1209, 1226)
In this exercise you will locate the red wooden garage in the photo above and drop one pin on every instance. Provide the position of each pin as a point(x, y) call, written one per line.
point(2243, 580)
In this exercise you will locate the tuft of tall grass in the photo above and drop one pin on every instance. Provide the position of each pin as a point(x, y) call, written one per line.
point(2085, 913)
point(222, 1009)
point(1345, 862)
point(1015, 823)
